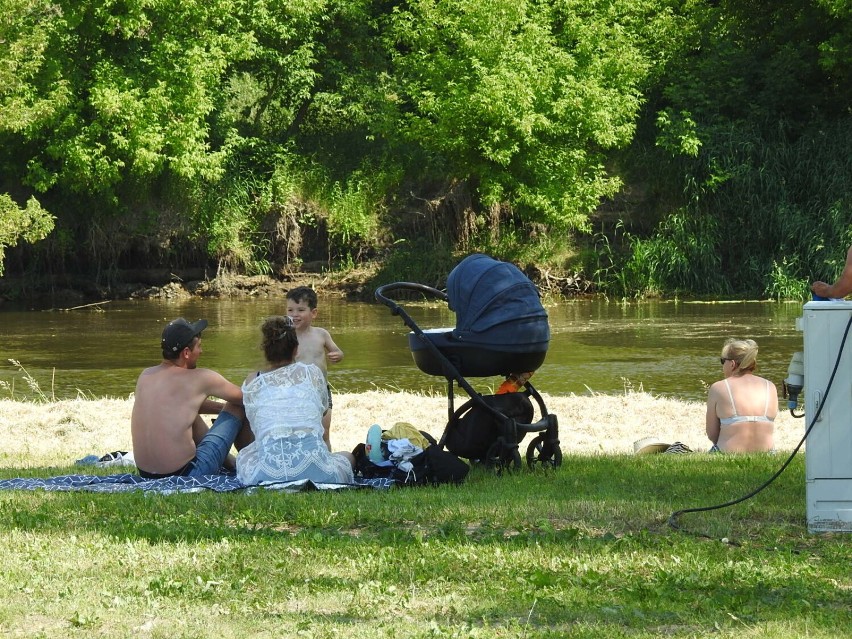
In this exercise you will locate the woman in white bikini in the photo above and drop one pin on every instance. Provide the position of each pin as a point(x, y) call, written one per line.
point(741, 408)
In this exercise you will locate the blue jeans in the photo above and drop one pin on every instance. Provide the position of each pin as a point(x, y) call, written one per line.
point(211, 451)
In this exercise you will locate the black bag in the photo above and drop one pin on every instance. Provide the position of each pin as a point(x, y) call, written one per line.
point(475, 428)
point(442, 467)
point(432, 466)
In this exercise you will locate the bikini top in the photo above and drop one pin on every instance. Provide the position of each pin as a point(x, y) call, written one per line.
point(746, 418)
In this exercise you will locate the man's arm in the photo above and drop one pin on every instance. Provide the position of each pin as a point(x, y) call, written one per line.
point(842, 287)
point(217, 386)
point(210, 407)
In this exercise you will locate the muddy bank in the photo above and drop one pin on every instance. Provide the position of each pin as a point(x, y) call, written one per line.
point(357, 284)
point(66, 291)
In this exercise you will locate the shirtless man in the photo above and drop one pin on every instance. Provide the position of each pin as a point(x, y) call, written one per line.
point(315, 343)
point(169, 435)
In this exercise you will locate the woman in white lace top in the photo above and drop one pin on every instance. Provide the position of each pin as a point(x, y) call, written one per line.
point(284, 406)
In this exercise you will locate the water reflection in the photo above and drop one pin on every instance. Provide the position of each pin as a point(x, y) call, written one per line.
point(667, 348)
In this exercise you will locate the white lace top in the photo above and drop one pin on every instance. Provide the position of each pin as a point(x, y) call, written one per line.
point(284, 407)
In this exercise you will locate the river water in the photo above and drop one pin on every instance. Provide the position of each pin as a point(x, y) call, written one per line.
point(666, 348)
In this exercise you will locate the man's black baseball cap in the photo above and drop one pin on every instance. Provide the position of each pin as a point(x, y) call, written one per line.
point(178, 334)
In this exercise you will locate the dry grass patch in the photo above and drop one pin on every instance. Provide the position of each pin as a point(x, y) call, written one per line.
point(57, 433)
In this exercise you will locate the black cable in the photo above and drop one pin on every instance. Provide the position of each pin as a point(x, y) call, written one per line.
point(675, 515)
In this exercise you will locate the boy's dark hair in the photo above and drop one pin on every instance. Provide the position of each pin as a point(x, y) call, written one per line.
point(303, 294)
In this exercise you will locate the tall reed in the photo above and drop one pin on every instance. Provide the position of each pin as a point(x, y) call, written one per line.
point(766, 210)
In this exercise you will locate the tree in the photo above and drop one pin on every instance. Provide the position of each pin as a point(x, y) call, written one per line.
point(31, 223)
point(522, 98)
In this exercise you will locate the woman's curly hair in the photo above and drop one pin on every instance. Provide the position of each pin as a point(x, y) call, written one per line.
point(279, 339)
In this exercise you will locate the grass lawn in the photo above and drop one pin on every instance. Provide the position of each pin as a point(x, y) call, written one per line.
point(581, 551)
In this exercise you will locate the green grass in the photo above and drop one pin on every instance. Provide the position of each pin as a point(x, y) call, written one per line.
point(582, 551)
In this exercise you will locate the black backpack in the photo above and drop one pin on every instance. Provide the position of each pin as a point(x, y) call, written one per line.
point(474, 429)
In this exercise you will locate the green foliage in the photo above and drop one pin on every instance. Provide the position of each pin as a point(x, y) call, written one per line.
point(605, 261)
point(750, 128)
point(418, 260)
point(527, 244)
point(785, 283)
point(232, 218)
point(137, 83)
point(757, 63)
point(27, 28)
point(133, 118)
point(348, 208)
point(31, 223)
point(835, 53)
point(268, 89)
point(789, 198)
point(677, 133)
point(519, 97)
point(681, 256)
point(765, 211)
point(352, 208)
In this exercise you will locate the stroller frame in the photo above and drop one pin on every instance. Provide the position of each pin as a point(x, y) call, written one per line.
point(504, 453)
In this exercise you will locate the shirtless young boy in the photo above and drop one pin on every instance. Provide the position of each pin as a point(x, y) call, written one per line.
point(169, 435)
point(315, 343)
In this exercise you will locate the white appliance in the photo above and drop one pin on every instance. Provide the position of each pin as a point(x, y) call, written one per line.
point(828, 448)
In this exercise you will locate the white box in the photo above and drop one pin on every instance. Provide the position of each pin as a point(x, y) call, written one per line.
point(828, 449)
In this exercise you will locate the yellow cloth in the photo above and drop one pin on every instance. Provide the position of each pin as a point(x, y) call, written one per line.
point(404, 430)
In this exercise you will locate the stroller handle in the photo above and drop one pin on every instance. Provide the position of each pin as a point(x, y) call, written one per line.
point(382, 293)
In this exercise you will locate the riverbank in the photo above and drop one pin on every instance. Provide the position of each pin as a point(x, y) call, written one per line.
point(57, 433)
point(357, 283)
point(70, 293)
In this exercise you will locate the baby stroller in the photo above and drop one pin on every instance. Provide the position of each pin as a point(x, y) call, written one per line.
point(501, 329)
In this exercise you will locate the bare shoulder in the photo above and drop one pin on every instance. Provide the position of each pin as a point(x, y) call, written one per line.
point(716, 390)
point(321, 332)
point(206, 380)
point(148, 372)
point(312, 334)
point(771, 384)
point(205, 373)
point(717, 386)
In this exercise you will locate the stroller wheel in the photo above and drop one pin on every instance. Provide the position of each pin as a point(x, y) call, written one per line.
point(542, 453)
point(501, 457)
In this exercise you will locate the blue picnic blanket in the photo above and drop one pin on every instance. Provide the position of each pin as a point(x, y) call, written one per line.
point(127, 482)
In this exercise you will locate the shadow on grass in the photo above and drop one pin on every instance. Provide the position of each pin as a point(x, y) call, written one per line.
point(587, 497)
point(583, 545)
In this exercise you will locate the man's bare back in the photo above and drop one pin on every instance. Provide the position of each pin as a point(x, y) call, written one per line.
point(168, 401)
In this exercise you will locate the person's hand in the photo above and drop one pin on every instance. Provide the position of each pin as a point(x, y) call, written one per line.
point(821, 288)
point(335, 356)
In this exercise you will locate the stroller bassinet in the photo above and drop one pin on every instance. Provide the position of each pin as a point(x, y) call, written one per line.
point(501, 329)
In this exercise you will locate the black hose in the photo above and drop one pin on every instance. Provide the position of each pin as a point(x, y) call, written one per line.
point(675, 515)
